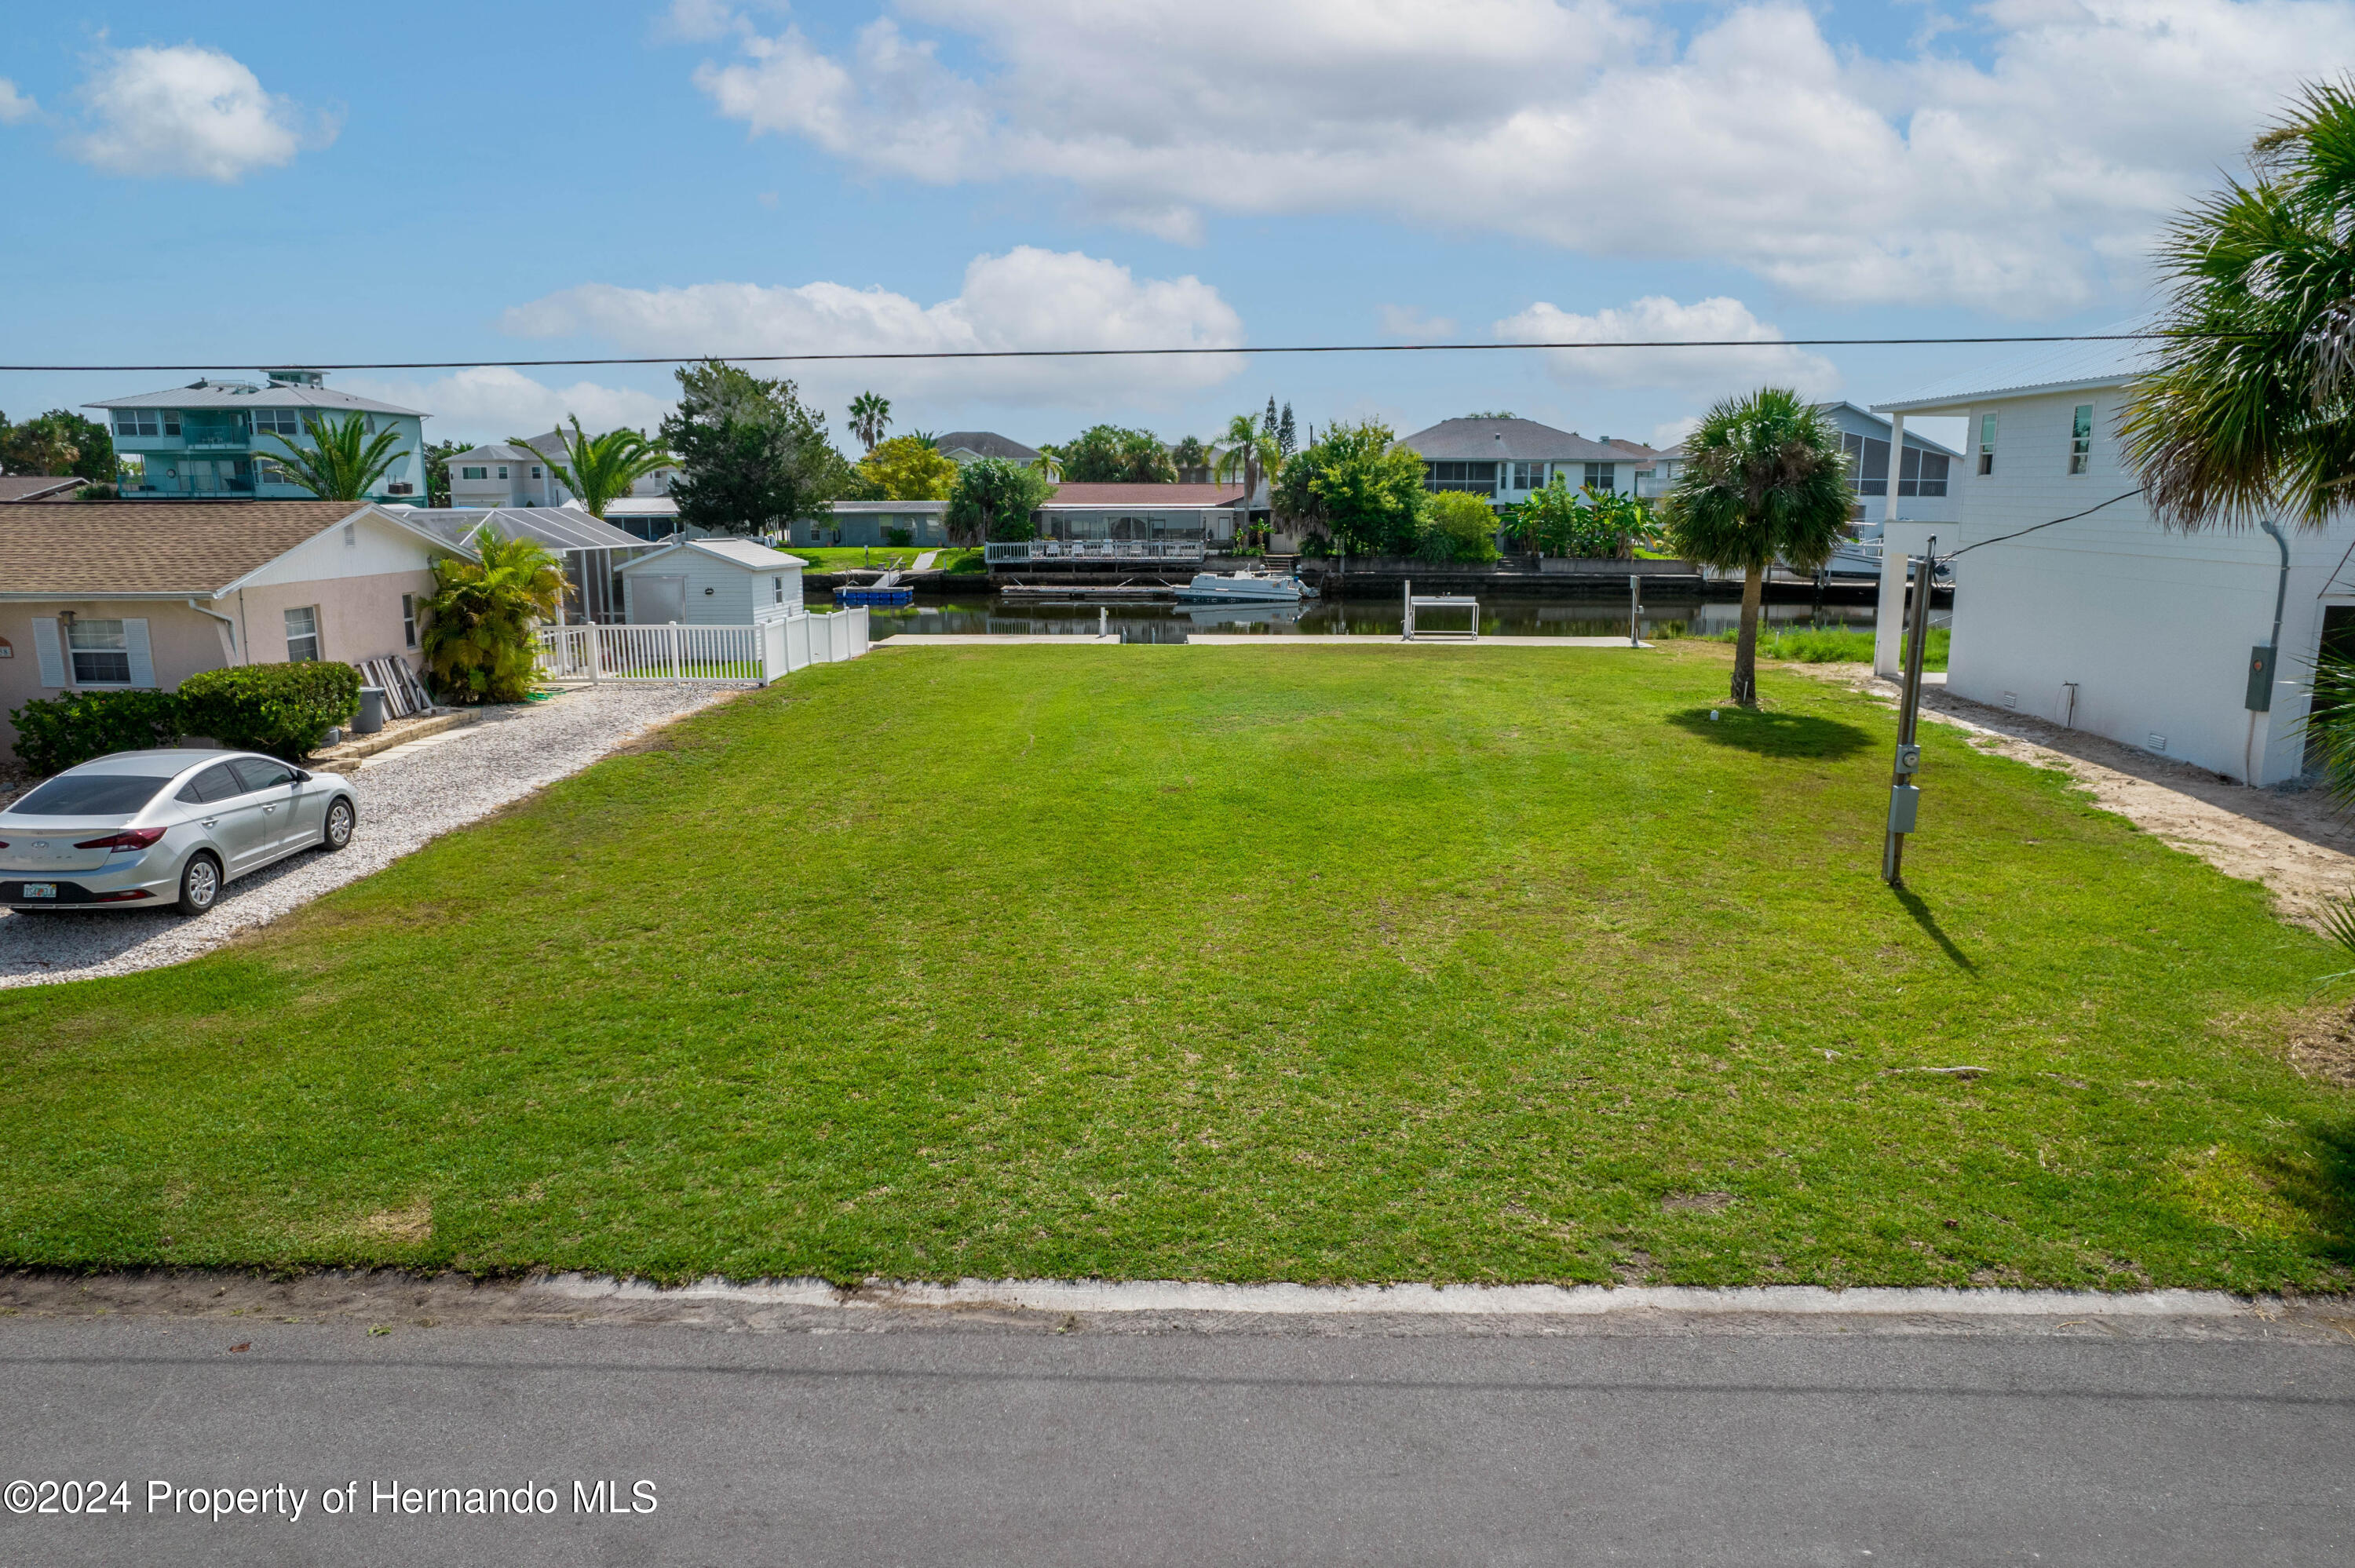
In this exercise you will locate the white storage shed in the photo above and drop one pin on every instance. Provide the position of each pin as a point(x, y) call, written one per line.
point(712, 582)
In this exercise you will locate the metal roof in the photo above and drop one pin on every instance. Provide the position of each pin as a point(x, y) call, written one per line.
point(1099, 495)
point(923, 506)
point(2051, 368)
point(497, 451)
point(558, 527)
point(1502, 440)
point(245, 394)
point(749, 554)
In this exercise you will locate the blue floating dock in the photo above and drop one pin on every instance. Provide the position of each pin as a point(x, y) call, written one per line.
point(874, 596)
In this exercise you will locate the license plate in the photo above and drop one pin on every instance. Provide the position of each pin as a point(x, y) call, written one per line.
point(40, 890)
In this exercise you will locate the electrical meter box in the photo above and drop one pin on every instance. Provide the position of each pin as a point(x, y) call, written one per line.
point(1904, 803)
point(1909, 760)
point(2261, 680)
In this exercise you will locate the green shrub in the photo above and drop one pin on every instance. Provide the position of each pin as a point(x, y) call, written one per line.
point(58, 733)
point(285, 710)
point(898, 537)
point(1461, 528)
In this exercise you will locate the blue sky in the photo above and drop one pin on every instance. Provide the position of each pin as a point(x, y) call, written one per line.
point(243, 184)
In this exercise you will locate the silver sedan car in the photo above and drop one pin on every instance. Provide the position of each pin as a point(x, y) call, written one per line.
point(141, 829)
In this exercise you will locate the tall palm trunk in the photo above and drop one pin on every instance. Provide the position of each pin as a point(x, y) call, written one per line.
point(1745, 642)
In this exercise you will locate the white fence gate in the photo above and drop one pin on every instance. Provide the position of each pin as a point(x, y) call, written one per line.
point(757, 653)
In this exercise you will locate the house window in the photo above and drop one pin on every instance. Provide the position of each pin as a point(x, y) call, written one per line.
point(171, 421)
point(303, 635)
point(409, 620)
point(280, 421)
point(101, 655)
point(473, 473)
point(535, 471)
point(135, 422)
point(1924, 474)
point(777, 587)
point(1529, 476)
point(1987, 443)
point(1479, 477)
point(2081, 438)
point(503, 470)
point(1599, 475)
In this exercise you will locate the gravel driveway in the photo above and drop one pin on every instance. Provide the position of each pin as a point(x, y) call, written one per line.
point(408, 798)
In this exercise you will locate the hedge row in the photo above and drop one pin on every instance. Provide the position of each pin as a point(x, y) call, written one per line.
point(285, 710)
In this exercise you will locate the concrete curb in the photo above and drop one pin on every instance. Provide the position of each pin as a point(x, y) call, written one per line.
point(1419, 1301)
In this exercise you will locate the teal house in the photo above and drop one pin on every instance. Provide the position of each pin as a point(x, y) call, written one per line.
point(212, 440)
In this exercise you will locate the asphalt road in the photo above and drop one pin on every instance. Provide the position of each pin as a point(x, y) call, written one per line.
point(981, 1445)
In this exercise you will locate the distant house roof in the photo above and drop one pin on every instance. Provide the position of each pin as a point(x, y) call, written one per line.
point(153, 549)
point(986, 443)
point(748, 554)
point(246, 395)
point(558, 527)
point(1499, 441)
point(1147, 495)
point(1635, 450)
point(15, 487)
point(641, 507)
point(499, 451)
point(1881, 422)
point(913, 506)
point(2053, 368)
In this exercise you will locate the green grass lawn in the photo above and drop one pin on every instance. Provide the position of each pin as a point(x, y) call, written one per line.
point(1234, 963)
point(882, 558)
point(1834, 645)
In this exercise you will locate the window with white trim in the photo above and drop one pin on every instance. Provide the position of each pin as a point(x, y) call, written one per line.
point(1987, 443)
point(2081, 438)
point(1529, 476)
point(100, 653)
point(1600, 475)
point(503, 470)
point(302, 634)
point(474, 473)
point(409, 620)
point(777, 587)
point(136, 422)
point(278, 421)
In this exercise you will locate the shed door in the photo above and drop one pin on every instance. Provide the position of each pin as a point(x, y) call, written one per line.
point(661, 600)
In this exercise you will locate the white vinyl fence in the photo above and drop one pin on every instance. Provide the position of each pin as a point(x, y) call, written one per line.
point(757, 653)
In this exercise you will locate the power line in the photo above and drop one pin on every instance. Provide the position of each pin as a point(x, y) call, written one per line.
point(2054, 523)
point(1145, 353)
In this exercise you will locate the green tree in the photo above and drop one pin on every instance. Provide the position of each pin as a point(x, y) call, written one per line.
point(1358, 486)
point(58, 442)
point(1048, 464)
point(753, 457)
point(601, 470)
point(905, 468)
point(1287, 434)
point(1590, 524)
point(480, 638)
point(1252, 452)
point(2250, 403)
point(870, 416)
point(1461, 528)
point(343, 463)
point(1764, 480)
point(1109, 454)
point(1190, 452)
point(993, 499)
point(437, 469)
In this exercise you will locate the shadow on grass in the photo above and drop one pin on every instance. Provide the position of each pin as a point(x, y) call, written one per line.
point(1929, 923)
point(1772, 734)
point(2325, 1189)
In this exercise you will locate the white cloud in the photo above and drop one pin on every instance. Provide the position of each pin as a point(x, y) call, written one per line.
point(15, 106)
point(188, 111)
point(490, 403)
point(1025, 299)
point(1657, 319)
point(697, 21)
point(2029, 183)
point(1669, 432)
point(1413, 325)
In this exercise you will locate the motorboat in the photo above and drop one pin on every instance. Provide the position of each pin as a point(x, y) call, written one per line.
point(1244, 587)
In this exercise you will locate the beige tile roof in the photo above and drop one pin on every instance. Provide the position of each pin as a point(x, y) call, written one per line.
point(151, 546)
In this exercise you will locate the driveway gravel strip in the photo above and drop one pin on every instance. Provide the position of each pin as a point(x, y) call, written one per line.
point(409, 797)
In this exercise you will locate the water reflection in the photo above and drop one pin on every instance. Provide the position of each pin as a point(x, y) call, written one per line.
point(1148, 620)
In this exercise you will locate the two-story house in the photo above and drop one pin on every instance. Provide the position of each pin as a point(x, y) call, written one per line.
point(1503, 460)
point(505, 474)
point(212, 440)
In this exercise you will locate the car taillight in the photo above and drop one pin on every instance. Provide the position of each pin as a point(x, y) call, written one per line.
point(129, 839)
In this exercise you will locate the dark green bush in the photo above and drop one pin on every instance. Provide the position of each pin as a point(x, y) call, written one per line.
point(57, 733)
point(285, 710)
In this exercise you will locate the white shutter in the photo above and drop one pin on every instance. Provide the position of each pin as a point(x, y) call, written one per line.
point(46, 648)
point(143, 666)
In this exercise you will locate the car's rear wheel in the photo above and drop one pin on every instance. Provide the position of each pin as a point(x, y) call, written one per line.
point(201, 885)
point(341, 819)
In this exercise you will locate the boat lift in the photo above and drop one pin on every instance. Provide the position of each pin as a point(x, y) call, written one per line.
point(1448, 602)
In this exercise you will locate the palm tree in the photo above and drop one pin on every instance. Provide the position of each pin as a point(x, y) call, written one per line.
point(1048, 462)
point(1764, 480)
point(342, 463)
point(478, 639)
point(601, 470)
point(928, 440)
point(1251, 451)
point(2250, 405)
point(870, 416)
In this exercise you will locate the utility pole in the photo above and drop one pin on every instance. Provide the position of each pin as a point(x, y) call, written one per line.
point(1904, 799)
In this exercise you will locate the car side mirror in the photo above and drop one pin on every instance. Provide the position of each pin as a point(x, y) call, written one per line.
point(301, 776)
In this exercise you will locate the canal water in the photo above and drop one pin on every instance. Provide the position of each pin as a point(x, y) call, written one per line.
point(1148, 620)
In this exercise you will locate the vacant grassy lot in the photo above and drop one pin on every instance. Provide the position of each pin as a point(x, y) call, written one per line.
point(1382, 963)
